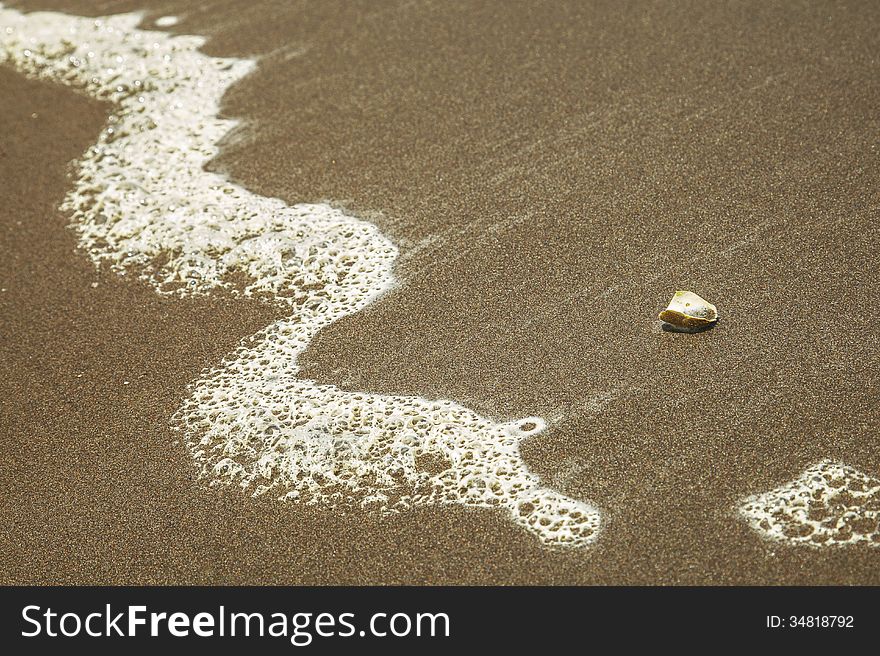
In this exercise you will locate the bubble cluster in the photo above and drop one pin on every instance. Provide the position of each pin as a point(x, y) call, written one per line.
point(829, 504)
point(143, 204)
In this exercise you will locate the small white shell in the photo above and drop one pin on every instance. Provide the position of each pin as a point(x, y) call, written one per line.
point(690, 311)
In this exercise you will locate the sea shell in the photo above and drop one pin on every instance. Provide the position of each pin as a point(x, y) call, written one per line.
point(689, 311)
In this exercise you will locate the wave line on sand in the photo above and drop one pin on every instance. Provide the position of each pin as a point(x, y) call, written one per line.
point(143, 203)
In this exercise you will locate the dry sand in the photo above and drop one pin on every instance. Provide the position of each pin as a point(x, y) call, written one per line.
point(551, 174)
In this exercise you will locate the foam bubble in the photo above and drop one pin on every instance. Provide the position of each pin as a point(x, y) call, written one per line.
point(829, 504)
point(143, 204)
point(166, 21)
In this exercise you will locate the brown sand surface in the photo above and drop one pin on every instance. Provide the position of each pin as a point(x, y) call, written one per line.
point(551, 174)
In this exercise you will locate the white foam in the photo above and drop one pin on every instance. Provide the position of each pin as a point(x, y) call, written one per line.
point(143, 204)
point(166, 21)
point(829, 504)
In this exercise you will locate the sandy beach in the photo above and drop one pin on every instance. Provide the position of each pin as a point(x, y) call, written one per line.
point(550, 174)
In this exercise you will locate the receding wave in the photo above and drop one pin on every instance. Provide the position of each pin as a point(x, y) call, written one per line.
point(143, 204)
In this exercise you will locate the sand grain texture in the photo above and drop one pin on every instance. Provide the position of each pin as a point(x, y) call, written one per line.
point(550, 175)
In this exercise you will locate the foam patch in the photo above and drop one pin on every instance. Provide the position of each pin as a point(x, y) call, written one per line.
point(143, 205)
point(829, 504)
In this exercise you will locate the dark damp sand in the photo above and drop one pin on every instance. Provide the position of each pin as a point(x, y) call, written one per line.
point(551, 175)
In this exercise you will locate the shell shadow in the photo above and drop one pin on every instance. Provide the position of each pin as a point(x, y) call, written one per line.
point(669, 328)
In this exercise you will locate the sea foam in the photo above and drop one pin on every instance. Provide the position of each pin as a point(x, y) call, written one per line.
point(828, 504)
point(143, 204)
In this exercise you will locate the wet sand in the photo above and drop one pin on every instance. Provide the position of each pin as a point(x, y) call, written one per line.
point(551, 176)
